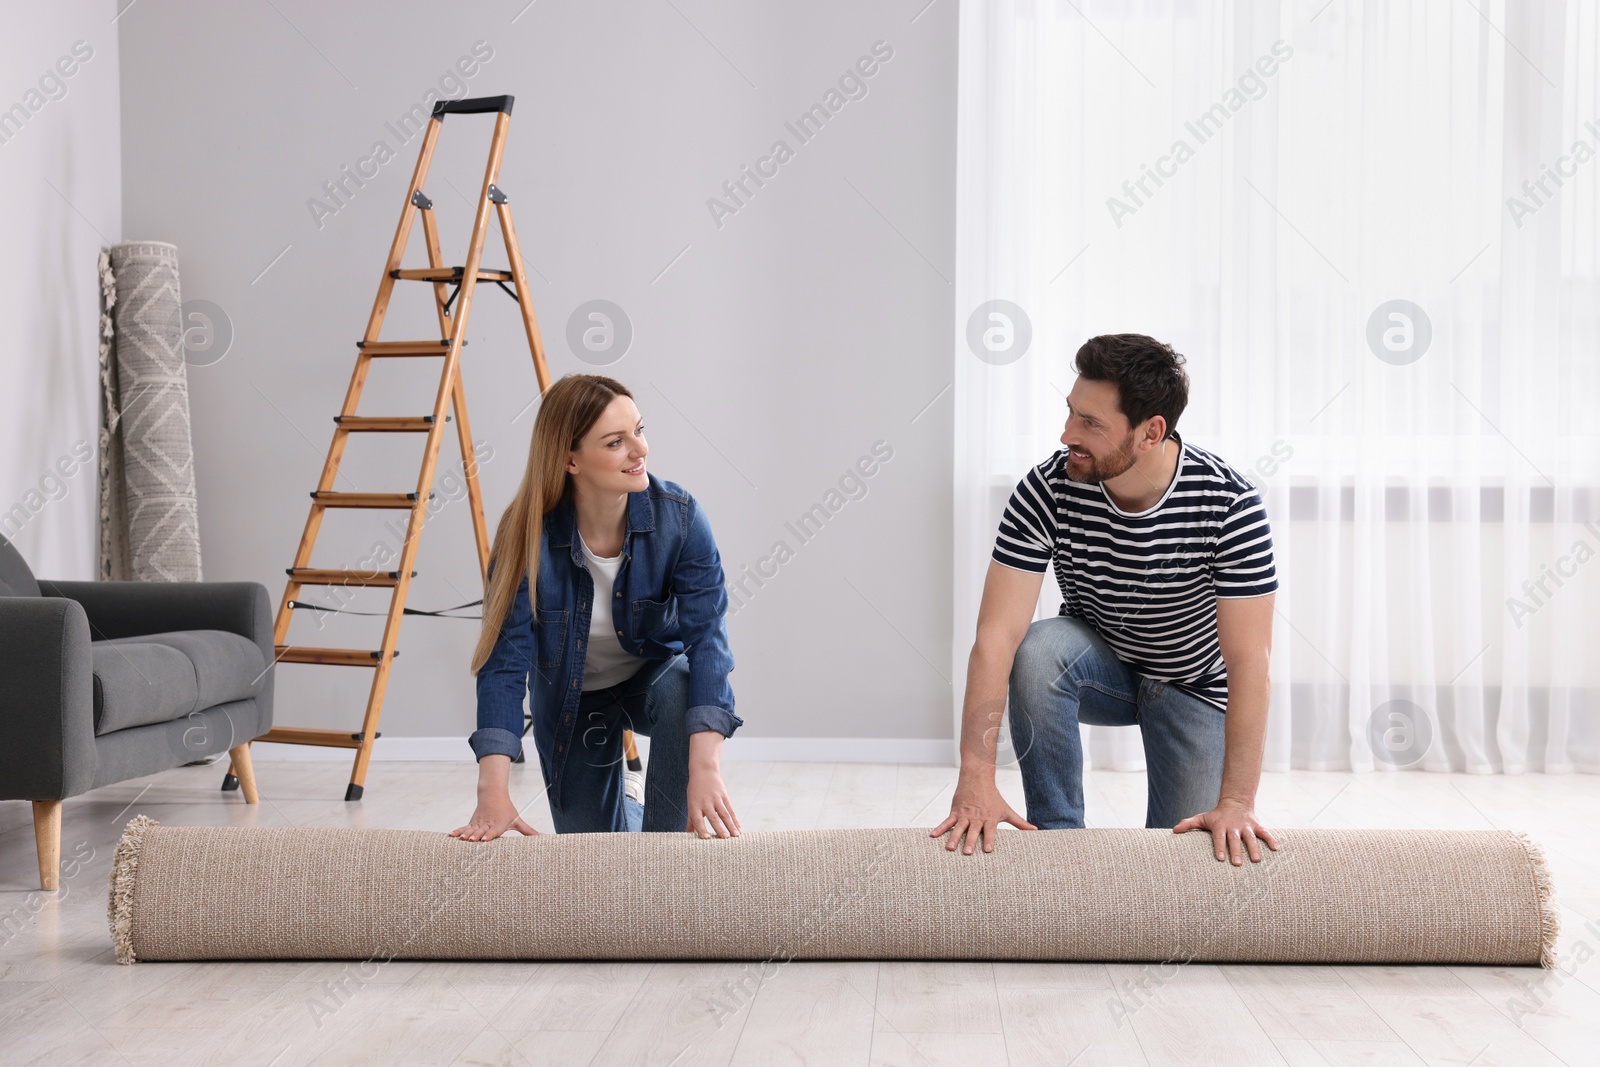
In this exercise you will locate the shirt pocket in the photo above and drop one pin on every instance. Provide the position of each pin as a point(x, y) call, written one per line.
point(654, 619)
point(551, 637)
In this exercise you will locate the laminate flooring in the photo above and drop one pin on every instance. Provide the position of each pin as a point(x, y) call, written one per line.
point(64, 1000)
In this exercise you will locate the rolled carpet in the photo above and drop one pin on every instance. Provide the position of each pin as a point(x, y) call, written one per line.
point(1327, 896)
point(157, 453)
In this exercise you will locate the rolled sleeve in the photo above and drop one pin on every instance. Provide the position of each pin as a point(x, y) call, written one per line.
point(710, 717)
point(493, 741)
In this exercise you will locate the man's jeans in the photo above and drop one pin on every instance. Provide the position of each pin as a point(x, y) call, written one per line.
point(592, 799)
point(1065, 674)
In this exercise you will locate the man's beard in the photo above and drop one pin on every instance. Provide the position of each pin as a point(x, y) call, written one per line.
point(1102, 468)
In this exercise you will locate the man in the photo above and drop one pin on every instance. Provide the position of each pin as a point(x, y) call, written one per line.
point(1164, 558)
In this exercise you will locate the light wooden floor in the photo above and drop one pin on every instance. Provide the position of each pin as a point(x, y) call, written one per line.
point(64, 1001)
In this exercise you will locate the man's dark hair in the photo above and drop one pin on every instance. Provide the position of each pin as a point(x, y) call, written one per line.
point(1148, 374)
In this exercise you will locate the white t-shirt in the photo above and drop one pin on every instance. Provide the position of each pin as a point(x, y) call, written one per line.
point(606, 662)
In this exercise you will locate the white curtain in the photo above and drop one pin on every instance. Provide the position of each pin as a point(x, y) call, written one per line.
point(1371, 228)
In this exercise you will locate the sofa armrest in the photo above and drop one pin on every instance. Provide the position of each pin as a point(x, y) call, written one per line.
point(46, 700)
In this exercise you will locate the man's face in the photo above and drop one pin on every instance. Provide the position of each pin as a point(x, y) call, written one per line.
point(1098, 438)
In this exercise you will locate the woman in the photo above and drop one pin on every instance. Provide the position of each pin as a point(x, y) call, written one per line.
point(629, 635)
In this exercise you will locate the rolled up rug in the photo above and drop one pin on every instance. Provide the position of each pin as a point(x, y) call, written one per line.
point(1327, 896)
point(152, 417)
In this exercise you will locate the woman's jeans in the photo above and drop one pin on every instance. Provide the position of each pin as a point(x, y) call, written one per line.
point(592, 799)
point(1065, 674)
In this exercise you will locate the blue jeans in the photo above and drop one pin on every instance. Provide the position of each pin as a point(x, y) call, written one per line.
point(592, 799)
point(1065, 674)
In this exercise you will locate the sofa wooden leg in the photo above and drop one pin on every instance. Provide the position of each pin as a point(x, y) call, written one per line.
point(244, 772)
point(47, 835)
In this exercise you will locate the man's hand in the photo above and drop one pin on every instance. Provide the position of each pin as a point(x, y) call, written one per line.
point(708, 798)
point(976, 812)
point(1234, 831)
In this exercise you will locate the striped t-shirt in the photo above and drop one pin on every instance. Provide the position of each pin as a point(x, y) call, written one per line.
point(1147, 581)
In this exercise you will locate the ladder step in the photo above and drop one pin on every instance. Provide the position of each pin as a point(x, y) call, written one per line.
point(326, 576)
point(405, 348)
point(404, 501)
point(448, 274)
point(294, 735)
point(385, 423)
point(333, 657)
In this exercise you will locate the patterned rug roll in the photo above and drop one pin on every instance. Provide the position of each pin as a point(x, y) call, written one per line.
point(1327, 896)
point(152, 419)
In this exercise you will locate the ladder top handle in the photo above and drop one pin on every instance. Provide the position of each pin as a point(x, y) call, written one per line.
point(475, 106)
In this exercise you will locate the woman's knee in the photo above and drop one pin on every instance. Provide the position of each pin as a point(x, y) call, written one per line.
point(669, 693)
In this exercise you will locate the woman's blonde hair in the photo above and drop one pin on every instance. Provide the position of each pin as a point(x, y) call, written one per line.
point(569, 410)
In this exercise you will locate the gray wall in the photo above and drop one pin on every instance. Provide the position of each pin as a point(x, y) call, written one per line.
point(768, 358)
point(60, 200)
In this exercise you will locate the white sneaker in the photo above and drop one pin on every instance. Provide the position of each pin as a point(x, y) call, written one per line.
point(633, 785)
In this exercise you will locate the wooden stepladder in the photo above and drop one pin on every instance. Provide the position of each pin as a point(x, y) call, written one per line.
point(451, 395)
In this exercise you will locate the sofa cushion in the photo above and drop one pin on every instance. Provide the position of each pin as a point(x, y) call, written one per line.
point(139, 684)
point(160, 677)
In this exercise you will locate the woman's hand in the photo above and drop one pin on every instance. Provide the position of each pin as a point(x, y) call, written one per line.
point(495, 813)
point(708, 797)
point(493, 817)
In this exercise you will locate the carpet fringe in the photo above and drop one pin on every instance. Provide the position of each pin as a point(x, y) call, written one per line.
point(1549, 914)
point(124, 876)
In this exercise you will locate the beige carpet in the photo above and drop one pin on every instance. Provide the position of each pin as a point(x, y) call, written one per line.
point(1328, 896)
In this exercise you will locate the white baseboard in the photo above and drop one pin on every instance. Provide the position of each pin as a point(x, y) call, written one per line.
point(745, 749)
point(841, 749)
point(387, 750)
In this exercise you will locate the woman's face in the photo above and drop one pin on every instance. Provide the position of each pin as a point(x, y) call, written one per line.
point(610, 458)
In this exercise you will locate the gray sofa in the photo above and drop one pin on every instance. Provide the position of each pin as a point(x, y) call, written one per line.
point(101, 682)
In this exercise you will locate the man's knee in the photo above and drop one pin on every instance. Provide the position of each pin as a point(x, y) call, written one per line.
point(1050, 647)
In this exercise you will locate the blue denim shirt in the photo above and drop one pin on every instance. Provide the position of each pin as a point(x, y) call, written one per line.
point(668, 598)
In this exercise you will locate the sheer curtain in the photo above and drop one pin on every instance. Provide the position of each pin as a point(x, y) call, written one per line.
point(1371, 228)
